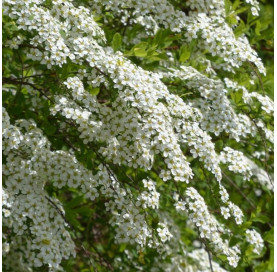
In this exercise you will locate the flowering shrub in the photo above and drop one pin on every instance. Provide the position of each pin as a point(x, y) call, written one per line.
point(137, 135)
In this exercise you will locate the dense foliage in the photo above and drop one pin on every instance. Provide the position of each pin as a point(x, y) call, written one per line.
point(137, 135)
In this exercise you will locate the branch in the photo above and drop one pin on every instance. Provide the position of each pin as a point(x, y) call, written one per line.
point(259, 76)
point(17, 82)
point(87, 253)
point(210, 260)
point(240, 191)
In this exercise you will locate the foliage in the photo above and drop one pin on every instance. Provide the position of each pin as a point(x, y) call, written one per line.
point(137, 135)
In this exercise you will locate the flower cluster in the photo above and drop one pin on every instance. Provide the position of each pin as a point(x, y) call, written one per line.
point(216, 35)
point(255, 239)
point(150, 198)
point(266, 103)
point(201, 258)
point(236, 161)
point(207, 225)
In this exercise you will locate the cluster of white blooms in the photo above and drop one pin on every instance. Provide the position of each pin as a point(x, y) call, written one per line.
point(230, 208)
point(131, 222)
point(214, 7)
point(202, 264)
point(151, 197)
point(131, 225)
point(207, 225)
point(261, 175)
point(236, 161)
point(255, 6)
point(266, 103)
point(46, 25)
point(217, 36)
point(217, 113)
point(180, 263)
point(148, 13)
point(179, 258)
point(29, 200)
point(15, 42)
point(149, 130)
point(255, 239)
point(30, 212)
point(163, 232)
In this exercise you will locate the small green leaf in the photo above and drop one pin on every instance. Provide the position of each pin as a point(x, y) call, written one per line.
point(63, 33)
point(231, 19)
point(117, 41)
point(227, 6)
point(93, 91)
point(141, 257)
point(74, 202)
point(71, 217)
point(245, 225)
point(269, 236)
point(140, 52)
point(237, 96)
point(258, 28)
point(241, 10)
point(184, 53)
point(240, 29)
point(261, 218)
point(84, 211)
point(122, 247)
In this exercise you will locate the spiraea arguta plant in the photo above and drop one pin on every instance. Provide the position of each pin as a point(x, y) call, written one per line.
point(137, 135)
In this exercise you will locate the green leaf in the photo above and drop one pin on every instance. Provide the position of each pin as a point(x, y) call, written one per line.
point(74, 202)
point(245, 225)
point(227, 6)
point(231, 19)
point(241, 10)
point(269, 236)
point(184, 53)
point(84, 211)
point(236, 4)
point(140, 52)
point(122, 247)
point(93, 91)
point(237, 96)
point(117, 41)
point(63, 33)
point(261, 218)
point(71, 218)
point(161, 37)
point(240, 29)
point(141, 257)
point(258, 28)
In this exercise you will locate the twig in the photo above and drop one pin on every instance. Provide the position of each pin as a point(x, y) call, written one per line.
point(265, 150)
point(239, 190)
point(210, 260)
point(87, 253)
point(258, 75)
point(15, 81)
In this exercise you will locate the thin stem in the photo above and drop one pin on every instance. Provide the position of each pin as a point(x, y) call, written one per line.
point(265, 150)
point(239, 190)
point(258, 75)
point(210, 260)
point(87, 253)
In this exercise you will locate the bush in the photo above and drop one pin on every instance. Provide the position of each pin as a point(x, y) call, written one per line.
point(137, 135)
